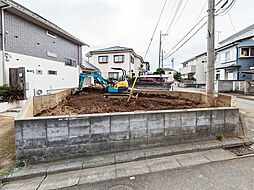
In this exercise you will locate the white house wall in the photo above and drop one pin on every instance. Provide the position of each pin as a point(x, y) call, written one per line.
point(105, 68)
point(67, 76)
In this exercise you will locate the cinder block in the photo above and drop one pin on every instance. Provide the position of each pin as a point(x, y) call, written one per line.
point(57, 153)
point(57, 132)
point(97, 138)
point(34, 129)
point(218, 117)
point(80, 149)
point(204, 118)
point(203, 131)
point(100, 148)
point(188, 130)
point(25, 155)
point(218, 130)
point(34, 143)
point(119, 123)
point(231, 130)
point(100, 125)
point(138, 134)
point(57, 141)
point(79, 130)
point(138, 122)
point(173, 131)
point(138, 143)
point(155, 141)
point(172, 120)
point(188, 119)
point(118, 136)
point(155, 133)
point(82, 139)
point(155, 121)
point(171, 140)
point(61, 122)
point(79, 122)
point(119, 146)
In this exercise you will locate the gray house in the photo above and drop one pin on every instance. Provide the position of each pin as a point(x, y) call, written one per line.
point(50, 56)
point(235, 56)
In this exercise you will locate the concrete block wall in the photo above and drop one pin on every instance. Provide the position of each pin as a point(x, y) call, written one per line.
point(53, 138)
point(41, 103)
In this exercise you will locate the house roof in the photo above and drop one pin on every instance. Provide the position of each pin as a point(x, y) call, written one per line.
point(115, 49)
point(33, 17)
point(194, 57)
point(86, 65)
point(251, 27)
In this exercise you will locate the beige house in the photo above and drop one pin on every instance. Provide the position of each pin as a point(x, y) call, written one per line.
point(196, 67)
point(170, 73)
point(117, 57)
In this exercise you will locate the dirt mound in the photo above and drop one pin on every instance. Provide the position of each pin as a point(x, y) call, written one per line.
point(93, 101)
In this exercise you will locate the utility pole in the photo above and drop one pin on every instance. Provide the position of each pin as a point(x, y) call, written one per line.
point(162, 58)
point(160, 51)
point(172, 61)
point(210, 53)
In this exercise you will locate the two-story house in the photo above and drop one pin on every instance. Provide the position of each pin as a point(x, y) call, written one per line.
point(195, 67)
point(235, 56)
point(117, 57)
point(49, 55)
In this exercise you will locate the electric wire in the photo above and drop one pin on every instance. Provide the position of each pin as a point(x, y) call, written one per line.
point(231, 22)
point(224, 11)
point(186, 41)
point(155, 28)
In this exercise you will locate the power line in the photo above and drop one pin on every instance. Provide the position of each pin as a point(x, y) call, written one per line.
point(180, 14)
point(171, 14)
point(174, 17)
point(155, 28)
point(186, 41)
point(231, 22)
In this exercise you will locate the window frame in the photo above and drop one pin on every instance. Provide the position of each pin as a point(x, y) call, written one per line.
point(51, 54)
point(72, 61)
point(105, 56)
point(121, 61)
point(51, 71)
point(132, 59)
point(51, 34)
point(227, 56)
point(113, 73)
point(249, 51)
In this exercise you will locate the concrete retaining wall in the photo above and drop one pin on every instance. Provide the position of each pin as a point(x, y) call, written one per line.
point(245, 87)
point(54, 138)
point(45, 102)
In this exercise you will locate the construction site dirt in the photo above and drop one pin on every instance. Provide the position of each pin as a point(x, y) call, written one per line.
point(93, 101)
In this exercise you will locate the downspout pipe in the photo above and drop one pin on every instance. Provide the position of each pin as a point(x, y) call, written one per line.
point(3, 41)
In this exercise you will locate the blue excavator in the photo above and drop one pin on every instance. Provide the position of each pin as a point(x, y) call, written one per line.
point(117, 87)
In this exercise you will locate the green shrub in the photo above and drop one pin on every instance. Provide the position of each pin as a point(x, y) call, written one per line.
point(159, 71)
point(220, 137)
point(3, 91)
point(129, 80)
point(177, 76)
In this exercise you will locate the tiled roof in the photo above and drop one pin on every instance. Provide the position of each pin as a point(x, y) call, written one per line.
point(115, 48)
point(87, 65)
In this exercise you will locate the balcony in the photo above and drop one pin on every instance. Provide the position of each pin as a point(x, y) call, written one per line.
point(187, 70)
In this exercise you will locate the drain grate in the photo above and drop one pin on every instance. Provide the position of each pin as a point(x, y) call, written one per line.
point(121, 187)
point(241, 150)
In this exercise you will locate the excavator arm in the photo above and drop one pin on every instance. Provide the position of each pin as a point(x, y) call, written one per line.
point(93, 75)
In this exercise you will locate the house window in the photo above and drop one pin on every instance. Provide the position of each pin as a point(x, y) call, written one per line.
point(113, 75)
point(51, 72)
point(132, 59)
point(227, 56)
point(103, 59)
point(51, 34)
point(247, 52)
point(51, 54)
point(70, 62)
point(118, 58)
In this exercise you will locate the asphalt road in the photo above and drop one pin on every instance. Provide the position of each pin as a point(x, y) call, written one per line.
point(227, 175)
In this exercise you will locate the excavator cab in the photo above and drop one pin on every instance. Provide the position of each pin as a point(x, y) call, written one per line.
point(120, 86)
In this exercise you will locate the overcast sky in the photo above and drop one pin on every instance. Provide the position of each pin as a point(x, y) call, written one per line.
point(130, 23)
